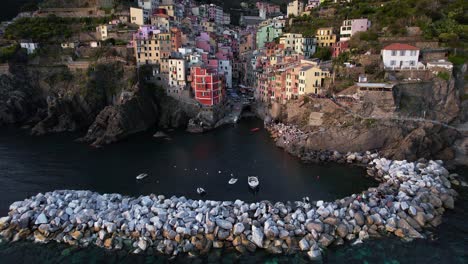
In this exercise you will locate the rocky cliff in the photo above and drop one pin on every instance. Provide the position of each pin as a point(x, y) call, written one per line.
point(136, 112)
point(101, 100)
point(20, 101)
point(353, 126)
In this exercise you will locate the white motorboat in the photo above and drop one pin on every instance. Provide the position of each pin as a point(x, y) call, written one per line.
point(253, 182)
point(141, 176)
point(201, 191)
point(232, 181)
point(306, 199)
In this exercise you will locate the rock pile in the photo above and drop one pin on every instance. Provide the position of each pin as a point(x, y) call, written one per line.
point(410, 197)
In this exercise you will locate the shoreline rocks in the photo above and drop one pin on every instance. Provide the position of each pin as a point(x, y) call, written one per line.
point(410, 197)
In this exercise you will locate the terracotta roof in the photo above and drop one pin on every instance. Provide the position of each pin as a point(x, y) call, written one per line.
point(399, 46)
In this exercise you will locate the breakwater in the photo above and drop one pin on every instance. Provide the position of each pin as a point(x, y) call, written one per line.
point(410, 196)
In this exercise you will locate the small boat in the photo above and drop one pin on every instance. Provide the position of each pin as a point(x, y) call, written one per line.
point(141, 176)
point(201, 191)
point(255, 129)
point(253, 182)
point(306, 199)
point(232, 181)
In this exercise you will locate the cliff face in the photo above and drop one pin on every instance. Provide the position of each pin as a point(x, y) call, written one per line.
point(346, 127)
point(136, 112)
point(101, 100)
point(435, 100)
point(19, 100)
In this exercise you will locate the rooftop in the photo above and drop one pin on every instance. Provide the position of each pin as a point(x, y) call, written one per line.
point(400, 46)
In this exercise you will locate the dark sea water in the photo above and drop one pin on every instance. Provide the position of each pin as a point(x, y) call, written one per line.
point(29, 165)
point(10, 8)
point(175, 167)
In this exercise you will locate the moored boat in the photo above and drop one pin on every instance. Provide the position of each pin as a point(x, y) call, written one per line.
point(141, 176)
point(201, 191)
point(232, 181)
point(253, 182)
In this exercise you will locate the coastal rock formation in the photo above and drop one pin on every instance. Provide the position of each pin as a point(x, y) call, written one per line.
point(327, 125)
point(410, 197)
point(19, 100)
point(136, 112)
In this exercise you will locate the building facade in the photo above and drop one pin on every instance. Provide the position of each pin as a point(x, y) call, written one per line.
point(325, 37)
point(400, 56)
point(295, 8)
point(352, 26)
point(207, 85)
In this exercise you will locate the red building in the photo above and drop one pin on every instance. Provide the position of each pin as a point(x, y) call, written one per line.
point(339, 47)
point(207, 85)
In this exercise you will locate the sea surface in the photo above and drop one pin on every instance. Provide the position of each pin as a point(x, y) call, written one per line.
point(178, 166)
point(10, 8)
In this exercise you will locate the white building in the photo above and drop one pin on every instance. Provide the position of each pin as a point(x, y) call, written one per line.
point(177, 74)
point(400, 56)
point(352, 26)
point(149, 5)
point(69, 45)
point(225, 68)
point(29, 46)
point(102, 32)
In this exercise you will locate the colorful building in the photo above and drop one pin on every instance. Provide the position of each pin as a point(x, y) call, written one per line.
point(339, 47)
point(295, 8)
point(139, 16)
point(301, 45)
point(207, 85)
point(352, 26)
point(266, 34)
point(325, 37)
point(152, 47)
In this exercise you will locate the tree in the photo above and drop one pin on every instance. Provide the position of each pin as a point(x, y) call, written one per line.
point(323, 53)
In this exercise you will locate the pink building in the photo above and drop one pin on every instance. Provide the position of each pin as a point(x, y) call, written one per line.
point(352, 26)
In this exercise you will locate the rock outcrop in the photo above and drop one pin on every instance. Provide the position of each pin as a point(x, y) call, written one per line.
point(137, 112)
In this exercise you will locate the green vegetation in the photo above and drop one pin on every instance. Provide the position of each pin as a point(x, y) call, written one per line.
point(443, 75)
point(465, 97)
point(307, 25)
point(323, 53)
point(59, 76)
point(370, 122)
point(8, 52)
point(48, 29)
point(441, 20)
point(364, 41)
point(458, 59)
point(115, 42)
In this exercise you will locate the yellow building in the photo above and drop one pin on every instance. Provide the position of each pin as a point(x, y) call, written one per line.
point(154, 49)
point(139, 16)
point(312, 78)
point(325, 37)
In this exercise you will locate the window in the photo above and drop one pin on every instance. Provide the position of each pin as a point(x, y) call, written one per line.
point(392, 63)
point(402, 52)
point(394, 52)
point(412, 63)
point(413, 53)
